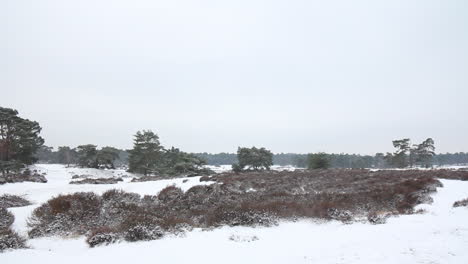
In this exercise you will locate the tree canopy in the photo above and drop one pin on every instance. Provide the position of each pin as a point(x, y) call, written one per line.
point(253, 159)
point(19, 140)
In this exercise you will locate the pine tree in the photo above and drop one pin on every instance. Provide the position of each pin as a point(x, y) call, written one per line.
point(87, 156)
point(400, 157)
point(145, 157)
point(19, 140)
point(425, 152)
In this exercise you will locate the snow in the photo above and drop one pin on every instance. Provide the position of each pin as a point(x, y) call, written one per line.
point(440, 235)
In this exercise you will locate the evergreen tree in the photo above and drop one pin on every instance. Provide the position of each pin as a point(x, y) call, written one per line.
point(179, 162)
point(400, 157)
point(19, 140)
point(254, 158)
point(106, 157)
point(145, 157)
point(66, 155)
point(87, 156)
point(319, 161)
point(425, 152)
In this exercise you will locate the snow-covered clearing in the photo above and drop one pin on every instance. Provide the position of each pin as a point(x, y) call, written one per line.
point(438, 236)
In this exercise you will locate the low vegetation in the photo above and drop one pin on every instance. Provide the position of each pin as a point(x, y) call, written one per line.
point(453, 174)
point(23, 176)
point(461, 203)
point(250, 199)
point(97, 181)
point(8, 238)
point(7, 201)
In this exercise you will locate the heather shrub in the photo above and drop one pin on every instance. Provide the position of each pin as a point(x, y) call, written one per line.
point(6, 218)
point(102, 236)
point(7, 201)
point(248, 199)
point(461, 203)
point(8, 238)
point(11, 240)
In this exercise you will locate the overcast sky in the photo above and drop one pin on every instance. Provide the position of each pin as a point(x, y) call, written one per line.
point(292, 76)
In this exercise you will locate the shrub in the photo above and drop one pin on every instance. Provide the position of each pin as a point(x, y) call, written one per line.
point(8, 238)
point(8, 201)
point(11, 240)
point(6, 218)
point(249, 199)
point(461, 203)
point(143, 232)
point(102, 236)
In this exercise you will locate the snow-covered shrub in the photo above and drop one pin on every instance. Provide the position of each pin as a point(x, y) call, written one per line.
point(66, 214)
point(8, 201)
point(97, 181)
point(461, 203)
point(11, 240)
point(8, 238)
point(143, 232)
point(6, 218)
point(325, 194)
point(170, 193)
point(102, 236)
point(378, 217)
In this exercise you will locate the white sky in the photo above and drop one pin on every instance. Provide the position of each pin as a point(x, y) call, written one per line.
point(293, 76)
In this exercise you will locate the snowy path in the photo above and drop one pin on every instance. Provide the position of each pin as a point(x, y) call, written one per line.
point(438, 236)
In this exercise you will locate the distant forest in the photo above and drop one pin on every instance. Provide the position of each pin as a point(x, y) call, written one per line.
point(48, 155)
point(336, 160)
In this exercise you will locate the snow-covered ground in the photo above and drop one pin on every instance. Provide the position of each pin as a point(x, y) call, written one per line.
point(438, 236)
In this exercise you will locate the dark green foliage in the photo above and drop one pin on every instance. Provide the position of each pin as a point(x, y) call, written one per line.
point(66, 155)
point(400, 158)
point(145, 157)
point(149, 157)
point(179, 162)
point(424, 153)
point(46, 154)
point(87, 156)
point(420, 154)
point(90, 157)
point(254, 158)
point(19, 140)
point(236, 168)
point(218, 158)
point(319, 161)
point(106, 157)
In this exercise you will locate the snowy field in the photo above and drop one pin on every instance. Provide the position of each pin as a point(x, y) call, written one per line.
point(440, 235)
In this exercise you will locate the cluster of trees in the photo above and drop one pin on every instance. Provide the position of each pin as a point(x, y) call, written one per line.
point(406, 155)
point(148, 156)
point(21, 144)
point(19, 140)
point(409, 155)
point(253, 159)
point(84, 156)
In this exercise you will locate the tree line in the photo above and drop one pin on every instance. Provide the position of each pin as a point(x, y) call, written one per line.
point(21, 144)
